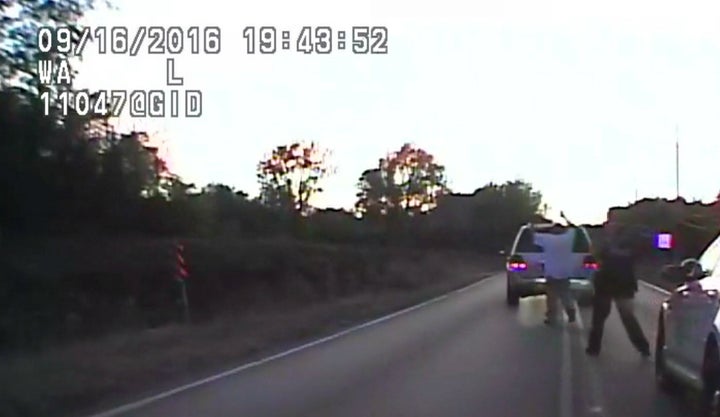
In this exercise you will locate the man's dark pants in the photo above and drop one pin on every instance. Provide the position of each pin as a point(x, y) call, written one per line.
point(625, 307)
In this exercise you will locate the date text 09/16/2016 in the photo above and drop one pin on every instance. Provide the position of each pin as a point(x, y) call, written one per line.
point(122, 40)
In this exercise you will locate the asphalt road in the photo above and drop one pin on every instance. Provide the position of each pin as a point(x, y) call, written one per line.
point(467, 354)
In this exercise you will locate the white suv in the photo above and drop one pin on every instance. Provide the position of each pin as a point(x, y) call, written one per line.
point(686, 350)
point(525, 264)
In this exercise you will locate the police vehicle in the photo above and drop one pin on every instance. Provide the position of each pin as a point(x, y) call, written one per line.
point(687, 353)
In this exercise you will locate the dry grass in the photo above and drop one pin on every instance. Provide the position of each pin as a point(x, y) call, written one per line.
point(96, 374)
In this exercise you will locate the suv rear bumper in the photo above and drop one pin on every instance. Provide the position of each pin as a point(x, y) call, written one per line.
point(536, 286)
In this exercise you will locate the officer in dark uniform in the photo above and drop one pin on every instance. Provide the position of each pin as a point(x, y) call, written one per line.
point(615, 281)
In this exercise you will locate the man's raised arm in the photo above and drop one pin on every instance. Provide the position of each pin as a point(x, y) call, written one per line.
point(571, 224)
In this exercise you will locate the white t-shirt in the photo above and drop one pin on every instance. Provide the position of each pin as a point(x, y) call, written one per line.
point(557, 251)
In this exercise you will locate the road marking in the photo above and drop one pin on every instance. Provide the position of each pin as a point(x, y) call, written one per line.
point(655, 287)
point(596, 395)
point(566, 395)
point(141, 403)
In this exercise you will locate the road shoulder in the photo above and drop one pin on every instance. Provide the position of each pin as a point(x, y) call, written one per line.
point(247, 339)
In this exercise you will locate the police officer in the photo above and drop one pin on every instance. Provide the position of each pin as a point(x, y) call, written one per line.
point(615, 281)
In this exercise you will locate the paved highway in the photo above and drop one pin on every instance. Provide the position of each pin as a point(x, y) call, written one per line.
point(466, 354)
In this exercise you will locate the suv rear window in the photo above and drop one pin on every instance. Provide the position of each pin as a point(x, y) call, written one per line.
point(526, 242)
point(581, 244)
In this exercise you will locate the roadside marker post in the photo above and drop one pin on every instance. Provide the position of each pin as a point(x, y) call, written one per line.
point(181, 275)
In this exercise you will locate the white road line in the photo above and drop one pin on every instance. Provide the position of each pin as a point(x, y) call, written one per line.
point(141, 403)
point(595, 407)
point(655, 287)
point(566, 394)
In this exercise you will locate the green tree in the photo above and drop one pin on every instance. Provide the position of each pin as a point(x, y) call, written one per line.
point(291, 175)
point(49, 166)
point(19, 25)
point(406, 181)
point(373, 194)
point(498, 210)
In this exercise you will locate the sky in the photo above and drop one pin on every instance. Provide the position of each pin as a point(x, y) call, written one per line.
point(581, 99)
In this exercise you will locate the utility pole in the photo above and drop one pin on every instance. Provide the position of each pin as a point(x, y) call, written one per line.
point(677, 162)
point(673, 250)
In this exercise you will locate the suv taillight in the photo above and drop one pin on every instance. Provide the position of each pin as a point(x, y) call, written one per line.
point(589, 262)
point(516, 263)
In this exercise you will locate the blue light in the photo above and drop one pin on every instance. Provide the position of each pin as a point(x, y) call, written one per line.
point(664, 241)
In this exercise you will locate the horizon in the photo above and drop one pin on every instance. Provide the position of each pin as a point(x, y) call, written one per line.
point(583, 105)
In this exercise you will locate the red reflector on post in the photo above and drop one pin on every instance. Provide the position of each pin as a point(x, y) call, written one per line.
point(181, 271)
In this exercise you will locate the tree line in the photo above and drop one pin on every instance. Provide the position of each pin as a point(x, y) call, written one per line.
point(66, 173)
